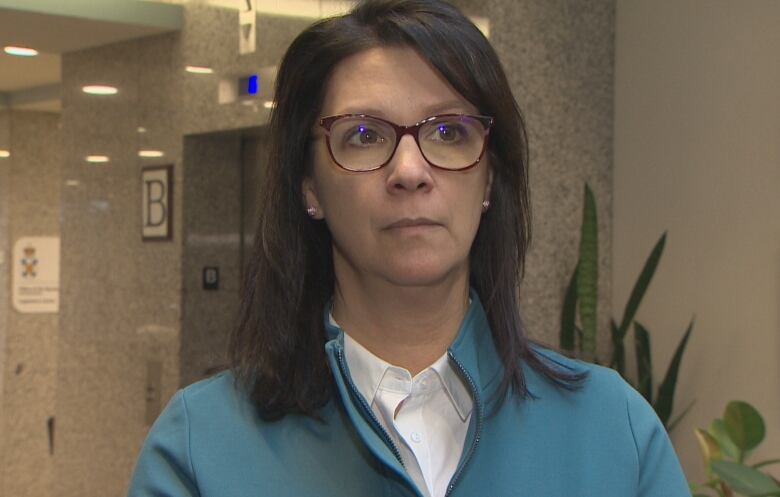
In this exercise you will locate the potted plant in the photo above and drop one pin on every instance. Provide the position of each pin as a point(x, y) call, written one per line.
point(579, 327)
point(726, 445)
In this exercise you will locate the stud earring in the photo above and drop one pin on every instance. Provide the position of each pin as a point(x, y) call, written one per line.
point(311, 211)
point(485, 205)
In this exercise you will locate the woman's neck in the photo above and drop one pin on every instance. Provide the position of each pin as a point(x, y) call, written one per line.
point(409, 327)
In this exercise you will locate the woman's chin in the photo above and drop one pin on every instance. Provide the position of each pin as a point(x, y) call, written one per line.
point(420, 273)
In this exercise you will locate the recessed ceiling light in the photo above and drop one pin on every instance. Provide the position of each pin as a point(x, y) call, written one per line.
point(4, 154)
point(199, 70)
point(100, 90)
point(20, 51)
point(141, 129)
point(150, 153)
point(269, 104)
point(72, 182)
point(97, 159)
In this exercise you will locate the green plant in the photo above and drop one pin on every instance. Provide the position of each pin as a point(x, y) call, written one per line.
point(725, 446)
point(579, 336)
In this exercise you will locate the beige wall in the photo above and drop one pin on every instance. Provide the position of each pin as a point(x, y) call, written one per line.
point(697, 128)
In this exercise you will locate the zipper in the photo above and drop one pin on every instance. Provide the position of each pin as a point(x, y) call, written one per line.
point(477, 432)
point(367, 409)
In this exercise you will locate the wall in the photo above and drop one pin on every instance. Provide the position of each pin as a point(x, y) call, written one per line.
point(29, 187)
point(212, 234)
point(697, 123)
point(558, 56)
point(121, 299)
point(5, 298)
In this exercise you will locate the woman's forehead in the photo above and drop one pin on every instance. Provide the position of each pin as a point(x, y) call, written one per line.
point(390, 81)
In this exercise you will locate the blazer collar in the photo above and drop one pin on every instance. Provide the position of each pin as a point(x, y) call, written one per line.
point(473, 348)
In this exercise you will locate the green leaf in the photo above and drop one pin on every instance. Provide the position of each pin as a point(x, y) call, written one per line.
point(569, 315)
point(744, 424)
point(640, 287)
point(588, 276)
point(710, 450)
point(618, 362)
point(718, 431)
point(643, 361)
point(744, 479)
point(665, 400)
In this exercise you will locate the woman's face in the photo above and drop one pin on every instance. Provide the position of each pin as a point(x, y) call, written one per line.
point(407, 223)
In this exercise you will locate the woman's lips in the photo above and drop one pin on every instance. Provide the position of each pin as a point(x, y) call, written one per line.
point(419, 222)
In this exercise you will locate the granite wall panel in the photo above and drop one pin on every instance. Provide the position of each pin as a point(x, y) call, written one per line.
point(212, 233)
point(559, 58)
point(32, 185)
point(121, 298)
point(5, 297)
point(210, 38)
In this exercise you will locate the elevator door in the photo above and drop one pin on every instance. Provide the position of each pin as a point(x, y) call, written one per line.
point(222, 178)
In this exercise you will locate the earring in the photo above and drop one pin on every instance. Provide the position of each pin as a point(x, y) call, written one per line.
point(311, 211)
point(485, 205)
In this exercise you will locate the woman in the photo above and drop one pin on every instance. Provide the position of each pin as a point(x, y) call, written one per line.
point(380, 349)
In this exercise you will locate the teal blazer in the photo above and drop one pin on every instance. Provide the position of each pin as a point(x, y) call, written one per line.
point(602, 440)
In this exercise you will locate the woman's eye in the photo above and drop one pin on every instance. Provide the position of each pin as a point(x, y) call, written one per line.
point(447, 133)
point(363, 136)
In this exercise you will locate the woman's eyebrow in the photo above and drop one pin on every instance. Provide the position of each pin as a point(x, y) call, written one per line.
point(450, 106)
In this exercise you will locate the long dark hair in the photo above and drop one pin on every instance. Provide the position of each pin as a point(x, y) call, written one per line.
point(277, 348)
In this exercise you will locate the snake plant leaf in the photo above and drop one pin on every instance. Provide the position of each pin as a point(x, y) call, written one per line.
point(672, 424)
point(644, 364)
point(618, 362)
point(588, 276)
point(640, 287)
point(719, 432)
point(745, 480)
point(569, 315)
point(744, 424)
point(665, 401)
point(710, 450)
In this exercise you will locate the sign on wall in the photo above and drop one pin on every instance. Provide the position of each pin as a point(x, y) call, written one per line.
point(36, 275)
point(157, 202)
point(247, 27)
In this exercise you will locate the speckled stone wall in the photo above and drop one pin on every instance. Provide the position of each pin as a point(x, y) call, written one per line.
point(212, 234)
point(29, 375)
point(121, 310)
point(213, 189)
point(210, 38)
point(5, 298)
point(559, 58)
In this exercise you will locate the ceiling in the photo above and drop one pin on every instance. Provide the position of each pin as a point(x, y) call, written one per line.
point(54, 27)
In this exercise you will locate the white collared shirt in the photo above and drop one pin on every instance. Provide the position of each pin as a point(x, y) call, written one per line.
point(427, 416)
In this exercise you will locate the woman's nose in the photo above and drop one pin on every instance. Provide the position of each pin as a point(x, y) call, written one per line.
point(409, 171)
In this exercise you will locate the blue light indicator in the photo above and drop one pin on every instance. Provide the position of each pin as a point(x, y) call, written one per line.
point(252, 84)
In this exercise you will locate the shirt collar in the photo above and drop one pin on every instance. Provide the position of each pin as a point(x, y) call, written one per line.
point(367, 371)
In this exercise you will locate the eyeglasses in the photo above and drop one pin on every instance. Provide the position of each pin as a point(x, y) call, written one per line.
point(361, 143)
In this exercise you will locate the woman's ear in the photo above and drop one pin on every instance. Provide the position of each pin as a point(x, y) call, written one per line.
point(311, 201)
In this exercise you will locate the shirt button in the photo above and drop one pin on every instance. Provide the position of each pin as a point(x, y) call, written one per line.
point(416, 437)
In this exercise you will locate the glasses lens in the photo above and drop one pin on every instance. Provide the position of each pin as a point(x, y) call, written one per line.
point(452, 142)
point(361, 143)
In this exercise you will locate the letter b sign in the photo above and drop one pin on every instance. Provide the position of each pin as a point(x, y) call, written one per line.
point(156, 201)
